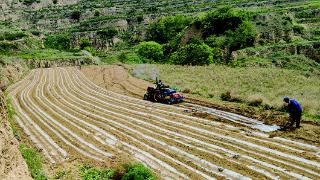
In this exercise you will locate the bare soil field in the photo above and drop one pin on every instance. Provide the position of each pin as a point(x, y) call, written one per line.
point(67, 116)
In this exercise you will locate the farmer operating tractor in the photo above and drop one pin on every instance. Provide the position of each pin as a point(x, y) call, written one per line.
point(163, 94)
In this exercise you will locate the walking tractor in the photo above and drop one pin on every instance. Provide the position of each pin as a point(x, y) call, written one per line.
point(162, 94)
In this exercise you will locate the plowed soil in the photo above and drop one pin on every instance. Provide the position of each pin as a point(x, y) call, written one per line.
point(68, 116)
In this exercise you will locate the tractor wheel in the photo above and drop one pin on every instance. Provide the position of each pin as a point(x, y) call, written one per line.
point(157, 97)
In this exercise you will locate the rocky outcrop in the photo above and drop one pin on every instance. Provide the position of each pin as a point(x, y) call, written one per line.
point(310, 50)
point(38, 63)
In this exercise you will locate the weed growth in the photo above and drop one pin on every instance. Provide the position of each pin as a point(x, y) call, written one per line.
point(34, 162)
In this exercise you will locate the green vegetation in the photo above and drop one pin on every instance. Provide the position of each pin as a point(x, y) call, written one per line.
point(250, 52)
point(167, 28)
point(7, 46)
point(107, 34)
point(34, 162)
point(245, 84)
point(225, 29)
point(138, 172)
point(11, 36)
point(85, 43)
point(10, 114)
point(151, 50)
point(75, 15)
point(49, 54)
point(193, 54)
point(135, 171)
point(58, 41)
point(91, 173)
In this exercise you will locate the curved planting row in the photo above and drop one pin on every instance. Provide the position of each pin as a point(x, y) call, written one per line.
point(66, 115)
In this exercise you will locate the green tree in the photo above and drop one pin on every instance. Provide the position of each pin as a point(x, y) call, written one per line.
point(58, 41)
point(166, 28)
point(242, 37)
point(219, 21)
point(193, 54)
point(227, 30)
point(150, 50)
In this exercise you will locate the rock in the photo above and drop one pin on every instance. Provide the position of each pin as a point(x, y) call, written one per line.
point(236, 156)
point(220, 169)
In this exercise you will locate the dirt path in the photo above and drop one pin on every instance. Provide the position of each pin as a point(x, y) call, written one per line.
point(68, 116)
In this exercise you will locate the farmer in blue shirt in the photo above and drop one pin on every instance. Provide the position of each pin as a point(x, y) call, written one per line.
point(294, 110)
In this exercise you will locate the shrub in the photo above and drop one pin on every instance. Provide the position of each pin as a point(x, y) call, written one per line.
point(298, 29)
point(6, 46)
point(139, 18)
point(84, 42)
point(58, 41)
point(75, 15)
point(96, 13)
point(225, 96)
point(255, 100)
point(36, 33)
point(186, 90)
point(166, 28)
point(228, 96)
point(150, 50)
point(12, 36)
point(137, 172)
point(90, 173)
point(193, 54)
point(54, 1)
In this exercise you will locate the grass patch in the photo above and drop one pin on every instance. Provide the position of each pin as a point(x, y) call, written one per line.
point(267, 84)
point(10, 110)
point(314, 117)
point(11, 113)
point(132, 171)
point(91, 173)
point(49, 54)
point(34, 162)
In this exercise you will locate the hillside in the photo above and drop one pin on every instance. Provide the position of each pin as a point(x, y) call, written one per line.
point(286, 33)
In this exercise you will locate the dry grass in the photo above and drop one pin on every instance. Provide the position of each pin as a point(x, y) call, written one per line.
point(267, 84)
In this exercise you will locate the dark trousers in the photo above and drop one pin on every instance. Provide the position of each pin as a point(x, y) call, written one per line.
point(295, 118)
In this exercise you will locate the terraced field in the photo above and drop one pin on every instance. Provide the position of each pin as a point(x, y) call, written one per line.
point(68, 116)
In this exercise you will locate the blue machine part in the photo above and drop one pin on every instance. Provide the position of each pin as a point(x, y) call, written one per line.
point(168, 92)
